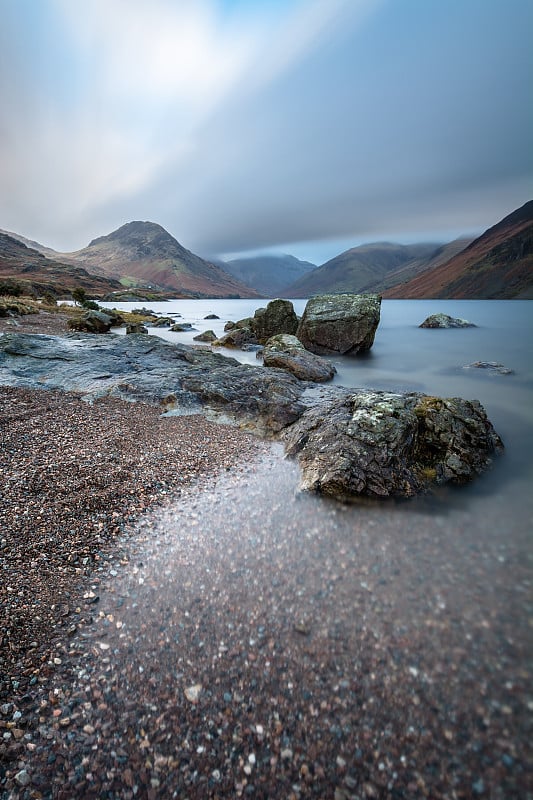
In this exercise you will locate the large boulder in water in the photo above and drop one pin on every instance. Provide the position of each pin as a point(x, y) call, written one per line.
point(278, 317)
point(340, 323)
point(380, 444)
point(445, 321)
point(287, 352)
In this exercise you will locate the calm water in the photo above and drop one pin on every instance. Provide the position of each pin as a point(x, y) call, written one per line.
point(405, 356)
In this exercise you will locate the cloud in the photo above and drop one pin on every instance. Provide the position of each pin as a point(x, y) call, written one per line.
point(259, 125)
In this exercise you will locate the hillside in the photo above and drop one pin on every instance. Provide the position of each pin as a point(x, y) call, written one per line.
point(359, 268)
point(38, 274)
point(270, 275)
point(497, 265)
point(145, 252)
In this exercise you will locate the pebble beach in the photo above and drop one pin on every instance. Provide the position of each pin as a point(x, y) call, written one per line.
point(177, 621)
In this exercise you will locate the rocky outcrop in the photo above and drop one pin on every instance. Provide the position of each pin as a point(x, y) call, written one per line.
point(445, 321)
point(205, 336)
point(279, 316)
point(379, 444)
point(287, 352)
point(492, 367)
point(136, 328)
point(349, 443)
point(340, 323)
point(92, 322)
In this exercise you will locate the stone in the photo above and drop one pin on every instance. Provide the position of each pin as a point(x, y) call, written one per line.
point(181, 327)
point(162, 322)
point(381, 444)
point(92, 322)
point(287, 352)
point(445, 321)
point(212, 316)
point(237, 338)
point(206, 336)
point(192, 693)
point(22, 778)
point(340, 323)
point(278, 317)
point(492, 367)
point(136, 328)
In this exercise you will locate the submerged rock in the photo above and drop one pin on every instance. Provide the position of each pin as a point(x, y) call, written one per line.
point(444, 321)
point(379, 444)
point(492, 367)
point(340, 323)
point(287, 352)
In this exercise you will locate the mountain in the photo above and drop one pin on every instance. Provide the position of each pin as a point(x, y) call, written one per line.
point(41, 248)
point(359, 268)
point(269, 274)
point(38, 274)
point(145, 252)
point(497, 265)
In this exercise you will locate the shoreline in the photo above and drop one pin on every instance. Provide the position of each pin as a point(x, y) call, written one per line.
point(75, 477)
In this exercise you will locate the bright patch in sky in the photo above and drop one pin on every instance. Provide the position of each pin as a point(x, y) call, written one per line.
point(252, 125)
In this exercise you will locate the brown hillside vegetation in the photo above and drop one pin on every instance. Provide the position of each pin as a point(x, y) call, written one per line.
point(497, 265)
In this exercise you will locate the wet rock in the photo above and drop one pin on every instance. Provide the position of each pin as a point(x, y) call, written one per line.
point(287, 352)
point(236, 337)
point(206, 336)
point(92, 322)
point(343, 323)
point(212, 316)
point(445, 321)
point(380, 444)
point(181, 327)
point(278, 317)
point(162, 322)
point(136, 328)
point(492, 367)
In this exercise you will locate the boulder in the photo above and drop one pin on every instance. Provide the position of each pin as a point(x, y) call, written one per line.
point(236, 337)
point(162, 322)
point(350, 443)
point(182, 327)
point(287, 352)
point(136, 328)
point(444, 321)
point(206, 336)
point(212, 316)
point(339, 323)
point(91, 322)
point(380, 444)
point(278, 317)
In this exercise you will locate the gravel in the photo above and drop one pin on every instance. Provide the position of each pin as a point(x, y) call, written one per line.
point(179, 622)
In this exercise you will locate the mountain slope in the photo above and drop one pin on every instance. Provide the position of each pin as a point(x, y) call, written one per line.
point(497, 265)
point(145, 252)
point(269, 274)
point(358, 268)
point(38, 274)
point(46, 251)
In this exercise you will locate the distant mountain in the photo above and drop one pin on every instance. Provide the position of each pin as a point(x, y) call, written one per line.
point(359, 268)
point(145, 252)
point(269, 274)
point(38, 274)
point(41, 248)
point(497, 265)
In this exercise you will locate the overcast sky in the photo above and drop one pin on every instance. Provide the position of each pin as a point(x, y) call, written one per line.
point(301, 126)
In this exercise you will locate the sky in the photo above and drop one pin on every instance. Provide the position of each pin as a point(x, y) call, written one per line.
point(247, 126)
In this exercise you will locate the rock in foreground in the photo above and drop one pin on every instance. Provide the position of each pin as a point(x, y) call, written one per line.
point(354, 443)
point(340, 323)
point(379, 444)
